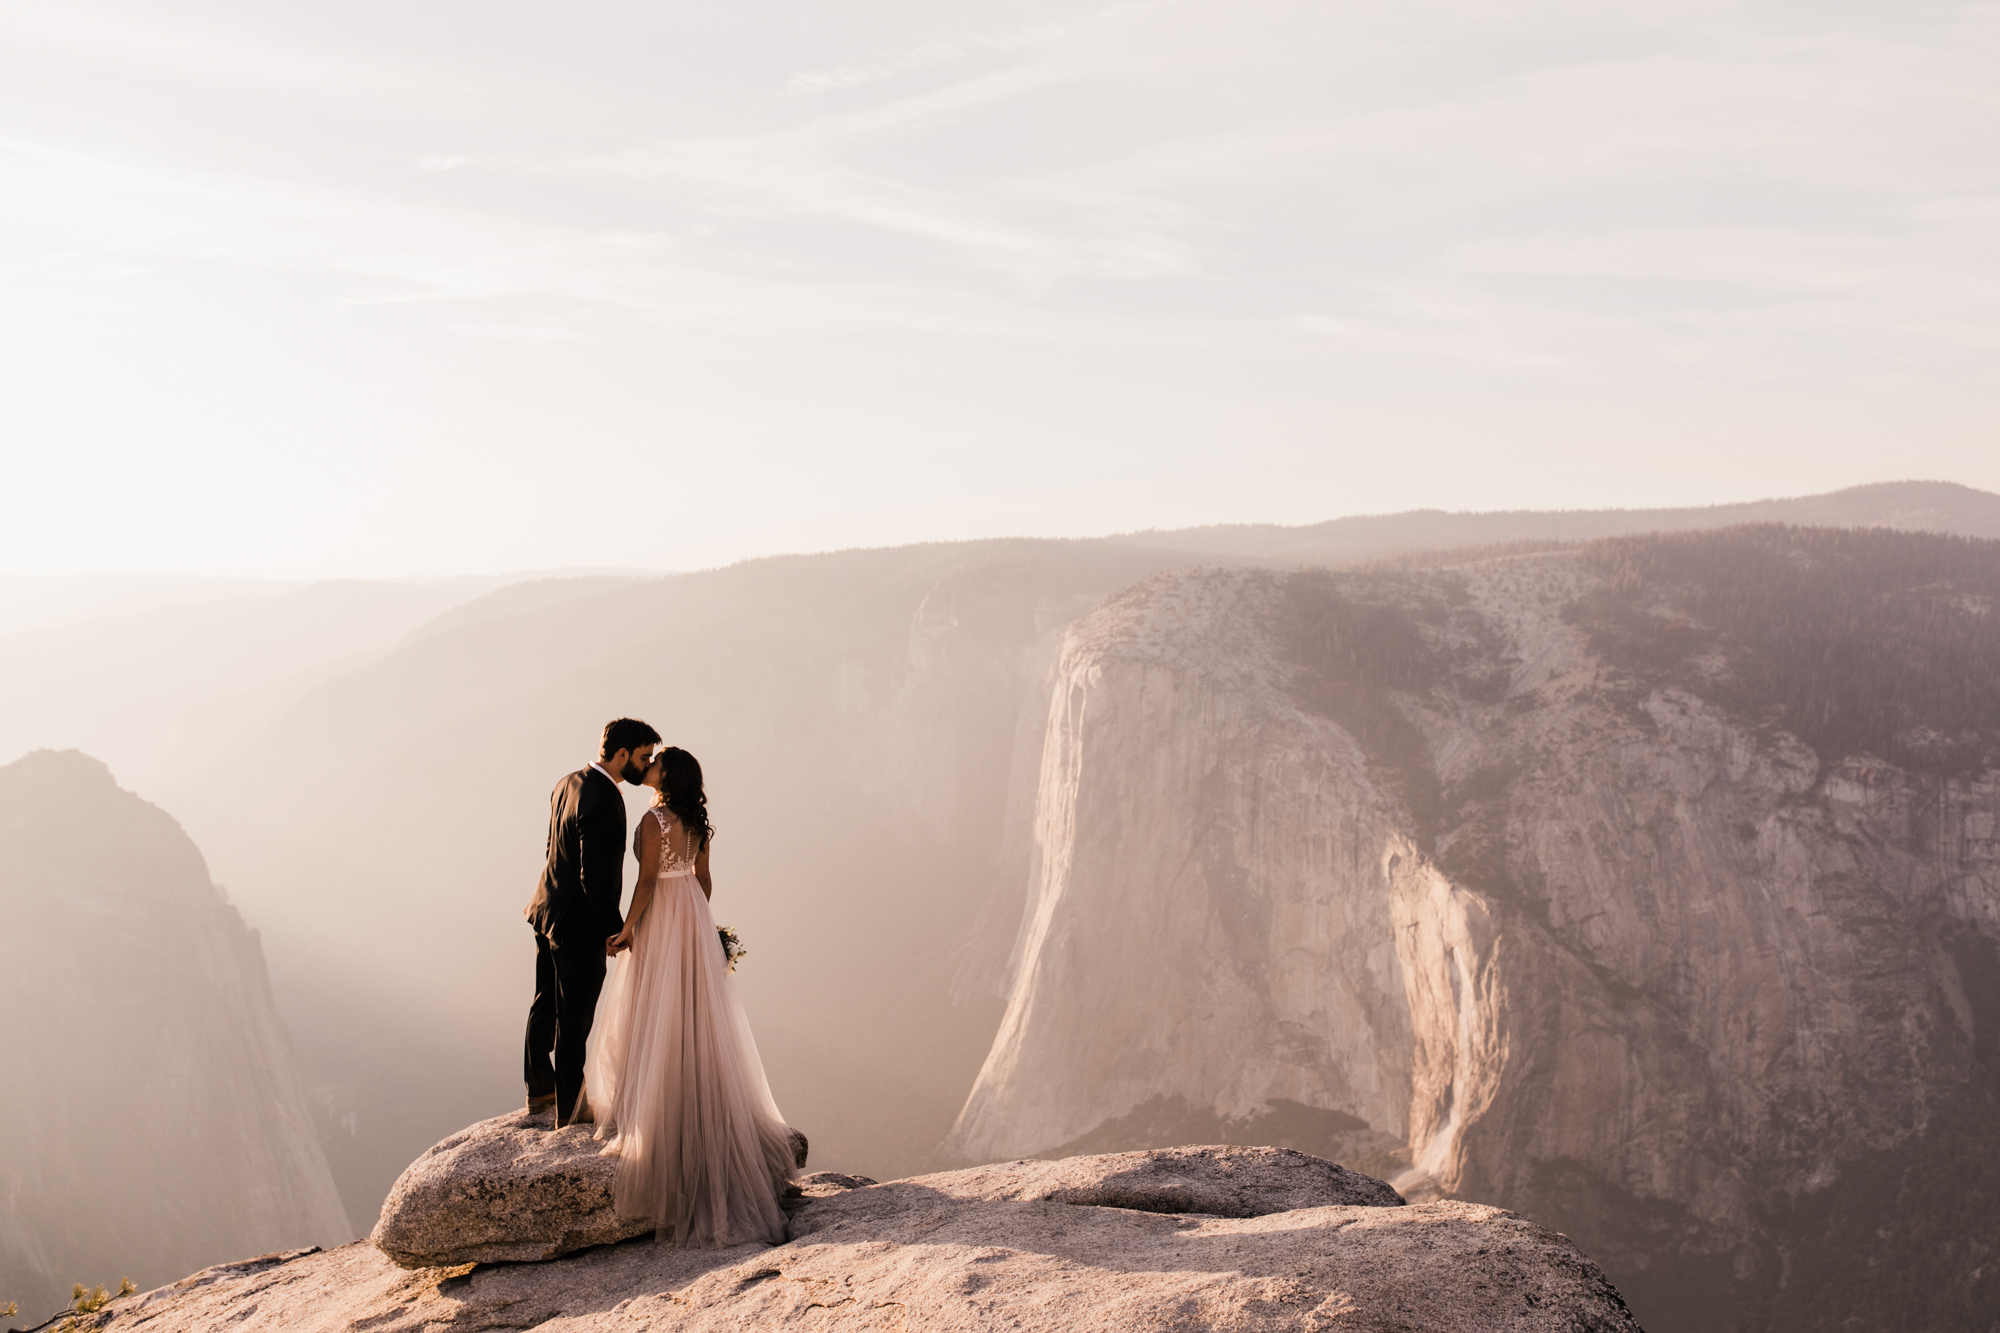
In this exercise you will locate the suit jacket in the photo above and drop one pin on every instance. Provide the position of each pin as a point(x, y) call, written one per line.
point(577, 902)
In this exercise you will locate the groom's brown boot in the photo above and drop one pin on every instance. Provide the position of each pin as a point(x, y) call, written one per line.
point(544, 1103)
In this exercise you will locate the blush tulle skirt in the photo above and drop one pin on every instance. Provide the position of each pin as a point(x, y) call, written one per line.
point(676, 1086)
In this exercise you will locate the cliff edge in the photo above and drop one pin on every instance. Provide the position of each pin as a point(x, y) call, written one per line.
point(1201, 1237)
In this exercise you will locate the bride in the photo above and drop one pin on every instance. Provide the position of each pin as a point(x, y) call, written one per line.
point(674, 1081)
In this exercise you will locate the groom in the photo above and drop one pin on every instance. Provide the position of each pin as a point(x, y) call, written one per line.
point(575, 914)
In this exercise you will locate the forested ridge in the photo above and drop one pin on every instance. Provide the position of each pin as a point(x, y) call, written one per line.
point(1356, 638)
point(1857, 641)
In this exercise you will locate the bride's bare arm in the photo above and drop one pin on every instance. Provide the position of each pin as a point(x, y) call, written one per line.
point(701, 873)
point(647, 845)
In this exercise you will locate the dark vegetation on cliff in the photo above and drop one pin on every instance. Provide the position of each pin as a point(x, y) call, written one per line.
point(1359, 639)
point(1858, 642)
point(1905, 1240)
point(1356, 638)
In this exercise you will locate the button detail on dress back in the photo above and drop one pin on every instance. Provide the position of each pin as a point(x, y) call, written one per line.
point(674, 861)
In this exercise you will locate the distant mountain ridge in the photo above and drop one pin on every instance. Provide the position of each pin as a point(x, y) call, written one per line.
point(1919, 506)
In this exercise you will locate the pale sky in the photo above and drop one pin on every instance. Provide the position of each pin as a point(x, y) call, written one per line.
point(433, 287)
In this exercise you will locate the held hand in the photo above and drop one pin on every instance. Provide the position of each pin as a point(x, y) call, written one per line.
point(617, 944)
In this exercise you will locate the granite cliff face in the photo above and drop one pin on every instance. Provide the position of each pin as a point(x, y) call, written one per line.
point(154, 1122)
point(1509, 875)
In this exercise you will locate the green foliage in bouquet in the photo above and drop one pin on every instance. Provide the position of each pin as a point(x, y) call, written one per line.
point(732, 947)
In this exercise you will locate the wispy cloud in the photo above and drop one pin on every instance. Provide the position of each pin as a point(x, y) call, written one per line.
point(1228, 233)
point(527, 333)
point(818, 168)
point(928, 55)
point(217, 54)
point(1624, 184)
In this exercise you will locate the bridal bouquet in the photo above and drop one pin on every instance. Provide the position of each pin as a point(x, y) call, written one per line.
point(732, 948)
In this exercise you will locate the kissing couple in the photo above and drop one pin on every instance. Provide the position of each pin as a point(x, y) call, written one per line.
point(673, 1081)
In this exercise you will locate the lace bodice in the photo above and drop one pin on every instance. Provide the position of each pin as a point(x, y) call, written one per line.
point(677, 850)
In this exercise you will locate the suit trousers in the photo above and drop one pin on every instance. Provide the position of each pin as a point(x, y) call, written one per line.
point(568, 977)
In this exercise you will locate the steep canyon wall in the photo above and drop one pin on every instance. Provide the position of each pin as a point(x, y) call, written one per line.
point(154, 1121)
point(1413, 868)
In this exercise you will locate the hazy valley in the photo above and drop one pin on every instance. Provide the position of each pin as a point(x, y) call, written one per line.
point(1506, 874)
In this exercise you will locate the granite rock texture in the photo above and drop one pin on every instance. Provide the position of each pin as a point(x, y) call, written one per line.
point(1212, 1180)
point(507, 1189)
point(973, 1250)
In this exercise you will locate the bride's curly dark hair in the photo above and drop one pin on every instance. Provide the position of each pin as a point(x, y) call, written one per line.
point(681, 792)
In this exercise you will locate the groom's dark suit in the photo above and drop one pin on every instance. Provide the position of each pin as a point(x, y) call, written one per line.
point(574, 911)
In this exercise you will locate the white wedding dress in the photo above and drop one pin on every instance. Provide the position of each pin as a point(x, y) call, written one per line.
point(674, 1080)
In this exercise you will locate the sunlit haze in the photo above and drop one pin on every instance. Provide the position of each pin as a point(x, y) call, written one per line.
point(387, 289)
point(1277, 610)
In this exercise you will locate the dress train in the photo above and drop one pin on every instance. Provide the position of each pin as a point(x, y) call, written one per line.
point(675, 1083)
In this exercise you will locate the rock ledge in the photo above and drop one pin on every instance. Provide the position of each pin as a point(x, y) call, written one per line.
point(507, 1189)
point(1247, 1239)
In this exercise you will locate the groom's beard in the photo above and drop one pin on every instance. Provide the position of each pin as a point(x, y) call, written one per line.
point(633, 773)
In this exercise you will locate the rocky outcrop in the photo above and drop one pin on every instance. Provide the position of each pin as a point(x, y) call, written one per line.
point(1022, 1245)
point(510, 1189)
point(1216, 1181)
point(1532, 926)
point(155, 1122)
point(507, 1189)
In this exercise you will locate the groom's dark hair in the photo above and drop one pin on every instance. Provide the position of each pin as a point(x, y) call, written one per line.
point(625, 733)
